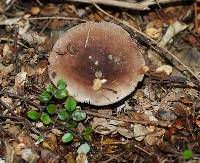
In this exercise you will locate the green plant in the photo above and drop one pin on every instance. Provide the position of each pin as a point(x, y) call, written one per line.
point(59, 107)
point(187, 154)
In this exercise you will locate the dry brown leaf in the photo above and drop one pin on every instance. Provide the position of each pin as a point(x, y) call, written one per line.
point(151, 140)
point(70, 158)
point(186, 101)
point(49, 10)
point(125, 132)
point(4, 70)
point(81, 158)
point(139, 132)
point(167, 69)
point(198, 122)
point(19, 82)
point(35, 10)
point(154, 33)
point(29, 155)
point(104, 126)
point(51, 142)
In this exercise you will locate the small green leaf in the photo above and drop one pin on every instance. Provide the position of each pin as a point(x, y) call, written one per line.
point(73, 124)
point(78, 115)
point(187, 154)
point(63, 115)
point(44, 97)
point(67, 137)
point(61, 84)
point(87, 137)
point(83, 148)
point(61, 94)
point(40, 139)
point(88, 130)
point(70, 104)
point(50, 88)
point(45, 118)
point(51, 108)
point(32, 114)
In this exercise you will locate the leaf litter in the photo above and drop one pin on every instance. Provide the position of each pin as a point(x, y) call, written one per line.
point(164, 94)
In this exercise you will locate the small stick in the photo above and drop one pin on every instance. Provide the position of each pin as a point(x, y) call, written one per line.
point(156, 123)
point(196, 16)
point(56, 17)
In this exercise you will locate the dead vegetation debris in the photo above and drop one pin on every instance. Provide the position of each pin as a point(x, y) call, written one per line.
point(158, 122)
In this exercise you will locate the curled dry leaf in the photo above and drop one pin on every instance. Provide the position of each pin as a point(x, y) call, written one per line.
point(172, 31)
point(154, 33)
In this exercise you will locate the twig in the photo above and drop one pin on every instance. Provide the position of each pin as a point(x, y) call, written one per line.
point(113, 158)
point(143, 150)
point(2, 93)
point(156, 123)
point(150, 41)
point(11, 40)
point(16, 54)
point(56, 17)
point(144, 5)
point(196, 15)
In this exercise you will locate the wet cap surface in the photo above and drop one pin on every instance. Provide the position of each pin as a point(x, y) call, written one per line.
point(99, 61)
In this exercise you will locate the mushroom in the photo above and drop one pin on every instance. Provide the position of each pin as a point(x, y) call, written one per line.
point(99, 61)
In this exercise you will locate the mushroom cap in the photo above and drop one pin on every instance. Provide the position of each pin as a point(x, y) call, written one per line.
point(99, 61)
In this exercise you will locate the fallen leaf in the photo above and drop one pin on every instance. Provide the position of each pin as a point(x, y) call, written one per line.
point(51, 142)
point(104, 126)
point(81, 158)
point(19, 82)
point(154, 33)
point(172, 31)
point(35, 10)
point(4, 70)
point(70, 158)
point(166, 115)
point(198, 122)
point(167, 69)
point(49, 10)
point(151, 140)
point(180, 111)
point(139, 132)
point(125, 132)
point(186, 101)
point(56, 132)
point(29, 155)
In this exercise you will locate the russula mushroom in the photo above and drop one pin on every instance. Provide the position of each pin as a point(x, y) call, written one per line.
point(99, 61)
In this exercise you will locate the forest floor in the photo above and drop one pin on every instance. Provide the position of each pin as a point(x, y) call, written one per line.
point(158, 122)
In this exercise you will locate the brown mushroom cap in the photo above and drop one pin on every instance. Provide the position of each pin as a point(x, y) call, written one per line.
point(99, 61)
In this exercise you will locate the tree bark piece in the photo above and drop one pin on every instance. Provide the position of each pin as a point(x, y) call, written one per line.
point(143, 5)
